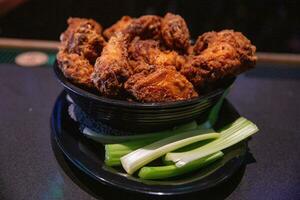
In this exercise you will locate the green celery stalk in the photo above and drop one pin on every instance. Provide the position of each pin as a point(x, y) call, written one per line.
point(236, 132)
point(140, 157)
point(113, 152)
point(161, 172)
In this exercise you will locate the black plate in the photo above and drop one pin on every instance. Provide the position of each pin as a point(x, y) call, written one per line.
point(88, 157)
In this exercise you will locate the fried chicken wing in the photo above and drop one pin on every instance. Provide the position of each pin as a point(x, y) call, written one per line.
point(151, 57)
point(162, 85)
point(83, 37)
point(118, 26)
point(146, 26)
point(112, 68)
point(82, 43)
point(74, 23)
point(218, 55)
point(175, 32)
point(75, 67)
point(149, 52)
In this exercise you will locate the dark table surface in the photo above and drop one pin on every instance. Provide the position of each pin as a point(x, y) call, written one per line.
point(268, 95)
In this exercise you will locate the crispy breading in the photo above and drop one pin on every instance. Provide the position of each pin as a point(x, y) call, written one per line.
point(218, 55)
point(151, 57)
point(118, 26)
point(75, 67)
point(83, 37)
point(149, 51)
point(162, 85)
point(81, 43)
point(112, 68)
point(146, 26)
point(175, 32)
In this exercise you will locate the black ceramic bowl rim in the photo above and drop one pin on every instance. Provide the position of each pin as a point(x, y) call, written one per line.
point(123, 103)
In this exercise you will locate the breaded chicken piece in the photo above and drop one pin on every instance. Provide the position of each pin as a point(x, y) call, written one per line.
point(83, 37)
point(175, 32)
point(149, 51)
point(218, 55)
point(162, 85)
point(118, 26)
point(75, 68)
point(81, 43)
point(146, 26)
point(74, 23)
point(112, 68)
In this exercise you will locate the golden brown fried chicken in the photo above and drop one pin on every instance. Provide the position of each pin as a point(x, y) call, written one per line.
point(146, 26)
point(112, 68)
point(175, 32)
point(150, 57)
point(218, 55)
point(162, 85)
point(74, 23)
point(84, 38)
point(149, 52)
point(118, 26)
point(75, 67)
point(82, 43)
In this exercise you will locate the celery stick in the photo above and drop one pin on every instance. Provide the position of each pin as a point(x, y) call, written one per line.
point(113, 152)
point(225, 133)
point(161, 172)
point(186, 148)
point(140, 157)
point(238, 131)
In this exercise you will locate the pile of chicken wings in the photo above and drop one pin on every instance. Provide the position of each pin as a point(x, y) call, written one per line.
point(150, 58)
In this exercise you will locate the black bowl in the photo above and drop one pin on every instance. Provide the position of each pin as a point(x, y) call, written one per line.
point(140, 117)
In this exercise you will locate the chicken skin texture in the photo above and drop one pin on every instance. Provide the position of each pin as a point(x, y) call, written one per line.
point(75, 23)
point(81, 43)
point(151, 58)
point(162, 85)
point(149, 52)
point(112, 68)
point(118, 26)
point(175, 32)
point(217, 55)
point(84, 38)
point(76, 68)
point(146, 27)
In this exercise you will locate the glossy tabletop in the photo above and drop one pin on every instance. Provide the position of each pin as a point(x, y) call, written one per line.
point(29, 168)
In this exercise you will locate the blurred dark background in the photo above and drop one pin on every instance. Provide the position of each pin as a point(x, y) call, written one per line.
point(272, 26)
